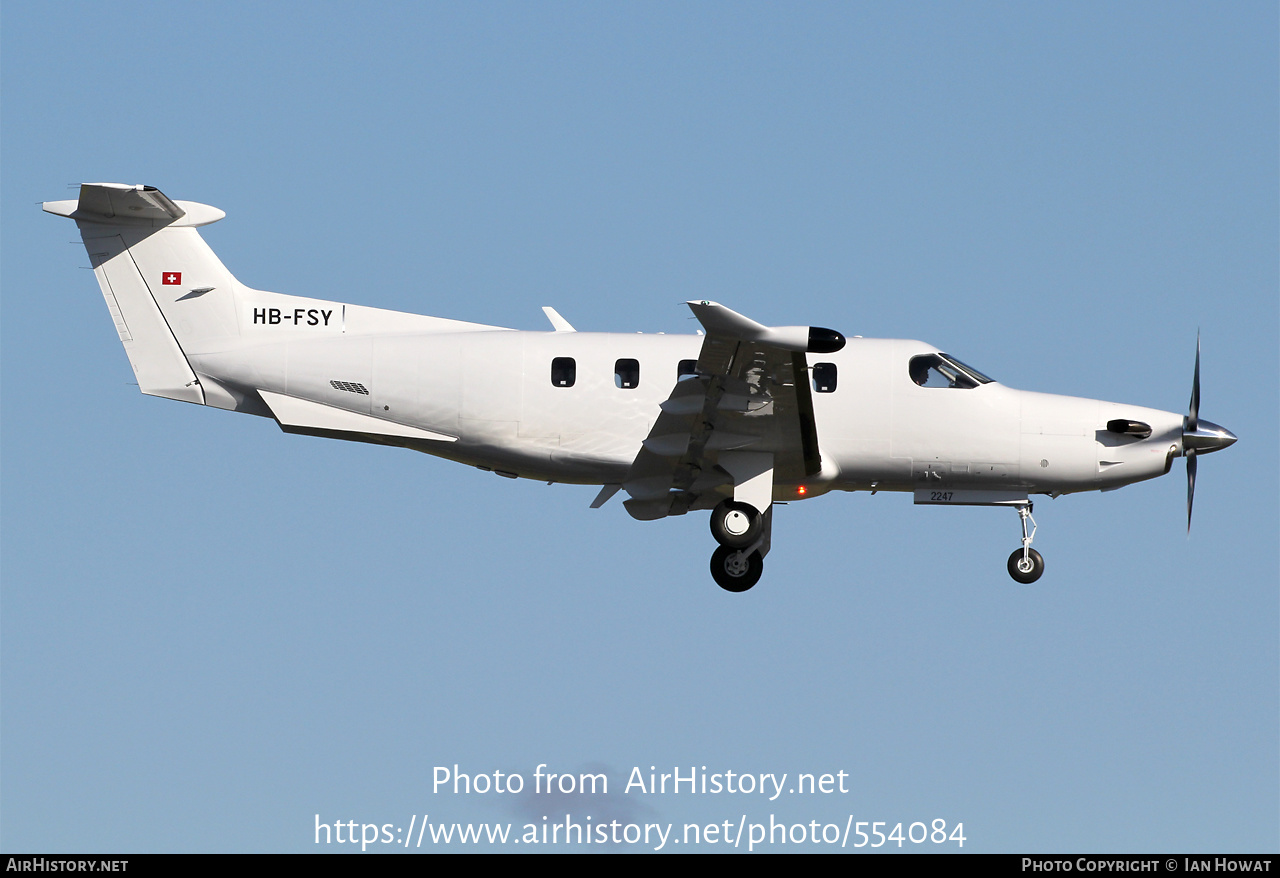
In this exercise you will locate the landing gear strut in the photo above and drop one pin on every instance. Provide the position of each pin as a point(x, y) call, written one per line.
point(1026, 564)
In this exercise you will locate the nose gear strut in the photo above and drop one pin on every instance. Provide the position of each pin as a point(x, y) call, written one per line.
point(1025, 564)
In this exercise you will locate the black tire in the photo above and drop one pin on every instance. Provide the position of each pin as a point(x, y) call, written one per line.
point(736, 525)
point(734, 573)
point(1026, 576)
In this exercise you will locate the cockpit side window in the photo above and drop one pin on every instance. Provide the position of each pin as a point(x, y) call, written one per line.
point(941, 370)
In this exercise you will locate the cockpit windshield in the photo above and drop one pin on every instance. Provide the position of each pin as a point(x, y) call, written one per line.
point(982, 379)
point(944, 370)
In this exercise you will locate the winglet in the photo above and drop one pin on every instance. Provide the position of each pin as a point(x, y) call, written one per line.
point(560, 324)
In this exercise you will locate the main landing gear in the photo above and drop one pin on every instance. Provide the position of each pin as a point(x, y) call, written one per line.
point(743, 534)
point(736, 525)
point(1025, 564)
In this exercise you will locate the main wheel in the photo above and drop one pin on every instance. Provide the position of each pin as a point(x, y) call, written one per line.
point(1027, 570)
point(736, 525)
point(735, 572)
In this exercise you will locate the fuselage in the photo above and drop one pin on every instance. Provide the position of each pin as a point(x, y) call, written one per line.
point(505, 396)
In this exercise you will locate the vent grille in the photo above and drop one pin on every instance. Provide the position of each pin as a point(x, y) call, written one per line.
point(349, 387)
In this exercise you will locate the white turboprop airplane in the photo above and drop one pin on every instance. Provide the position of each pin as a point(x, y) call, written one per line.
point(732, 421)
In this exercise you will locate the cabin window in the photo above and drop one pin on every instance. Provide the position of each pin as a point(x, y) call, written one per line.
point(564, 371)
point(824, 377)
point(687, 369)
point(626, 373)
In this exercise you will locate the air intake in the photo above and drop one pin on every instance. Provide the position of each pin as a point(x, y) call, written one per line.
point(1129, 428)
point(351, 387)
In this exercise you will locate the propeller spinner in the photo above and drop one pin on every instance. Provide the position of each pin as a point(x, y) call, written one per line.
point(1199, 437)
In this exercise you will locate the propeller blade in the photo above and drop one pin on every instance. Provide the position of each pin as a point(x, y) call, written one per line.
point(1191, 484)
point(1199, 438)
point(1193, 413)
point(1190, 424)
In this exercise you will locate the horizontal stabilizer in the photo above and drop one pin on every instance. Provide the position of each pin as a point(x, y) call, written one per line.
point(121, 204)
point(301, 413)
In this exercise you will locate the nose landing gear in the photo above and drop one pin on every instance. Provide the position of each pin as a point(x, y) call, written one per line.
point(1025, 564)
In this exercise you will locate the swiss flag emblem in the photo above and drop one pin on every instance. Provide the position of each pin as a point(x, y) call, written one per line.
point(171, 278)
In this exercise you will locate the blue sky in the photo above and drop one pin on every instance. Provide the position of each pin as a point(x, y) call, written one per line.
point(210, 631)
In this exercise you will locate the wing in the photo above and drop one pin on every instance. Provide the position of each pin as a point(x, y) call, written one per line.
point(742, 423)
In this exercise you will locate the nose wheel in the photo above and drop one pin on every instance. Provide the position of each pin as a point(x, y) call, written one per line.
point(1025, 564)
point(1026, 567)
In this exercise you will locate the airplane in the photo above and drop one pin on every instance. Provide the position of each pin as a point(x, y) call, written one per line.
point(736, 419)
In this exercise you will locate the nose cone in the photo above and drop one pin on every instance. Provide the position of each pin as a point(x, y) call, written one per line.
point(1207, 437)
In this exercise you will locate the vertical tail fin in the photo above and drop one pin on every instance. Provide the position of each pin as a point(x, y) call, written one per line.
point(148, 258)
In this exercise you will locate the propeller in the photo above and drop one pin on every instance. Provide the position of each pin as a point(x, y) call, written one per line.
point(1199, 437)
